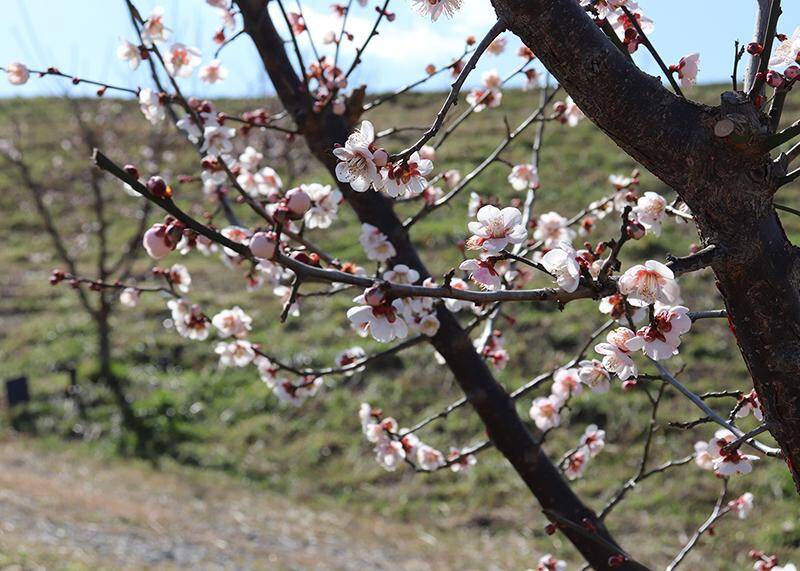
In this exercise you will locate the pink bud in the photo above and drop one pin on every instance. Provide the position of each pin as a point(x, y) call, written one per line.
point(263, 245)
point(792, 72)
point(374, 296)
point(298, 202)
point(774, 79)
point(380, 158)
point(155, 242)
point(635, 231)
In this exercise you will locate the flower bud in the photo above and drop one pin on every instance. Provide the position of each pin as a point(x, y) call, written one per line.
point(635, 231)
point(263, 245)
point(792, 72)
point(774, 79)
point(754, 48)
point(131, 170)
point(380, 158)
point(156, 243)
point(374, 296)
point(158, 187)
point(57, 277)
point(298, 202)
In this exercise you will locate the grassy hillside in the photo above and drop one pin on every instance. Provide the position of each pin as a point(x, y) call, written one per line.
point(228, 420)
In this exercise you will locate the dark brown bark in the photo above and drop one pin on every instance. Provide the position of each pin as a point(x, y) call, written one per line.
point(727, 182)
point(496, 409)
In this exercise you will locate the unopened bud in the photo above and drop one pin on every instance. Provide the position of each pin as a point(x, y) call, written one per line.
point(635, 230)
point(754, 48)
point(132, 171)
point(158, 187)
point(298, 202)
point(263, 245)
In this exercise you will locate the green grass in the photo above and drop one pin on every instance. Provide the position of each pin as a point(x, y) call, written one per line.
point(229, 421)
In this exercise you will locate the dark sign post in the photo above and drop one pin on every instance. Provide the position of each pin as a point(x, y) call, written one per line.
point(17, 391)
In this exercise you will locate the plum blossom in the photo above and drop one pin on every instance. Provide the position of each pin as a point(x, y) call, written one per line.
point(566, 383)
point(419, 314)
point(749, 403)
point(483, 273)
point(490, 346)
point(179, 276)
point(616, 352)
point(482, 98)
point(18, 73)
point(154, 29)
point(552, 229)
point(324, 205)
point(594, 375)
point(401, 274)
point(460, 462)
point(593, 439)
point(788, 51)
point(496, 229)
point(188, 319)
point(181, 60)
point(407, 178)
point(649, 283)
point(375, 243)
point(607, 8)
point(687, 69)
point(350, 356)
point(152, 107)
point(733, 463)
point(710, 455)
point(129, 297)
point(428, 458)
point(549, 563)
point(498, 45)
point(236, 234)
point(435, 8)
point(357, 165)
point(456, 305)
point(232, 322)
point(568, 112)
point(238, 353)
point(742, 506)
point(562, 263)
point(615, 307)
point(650, 211)
point(213, 72)
point(250, 158)
point(576, 463)
point(524, 177)
point(129, 52)
point(662, 337)
point(217, 140)
point(378, 317)
point(545, 412)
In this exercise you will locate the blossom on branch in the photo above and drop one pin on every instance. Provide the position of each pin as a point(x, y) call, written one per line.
point(435, 8)
point(496, 229)
point(646, 284)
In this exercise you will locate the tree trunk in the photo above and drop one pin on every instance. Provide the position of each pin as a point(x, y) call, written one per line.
point(505, 428)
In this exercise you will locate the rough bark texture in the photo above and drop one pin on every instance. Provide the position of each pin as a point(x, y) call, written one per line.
point(489, 399)
point(727, 182)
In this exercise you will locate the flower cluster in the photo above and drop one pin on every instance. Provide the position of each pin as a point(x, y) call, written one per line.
point(363, 165)
point(713, 455)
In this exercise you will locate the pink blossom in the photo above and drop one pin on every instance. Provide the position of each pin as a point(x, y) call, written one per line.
point(617, 350)
point(18, 73)
point(788, 51)
point(649, 283)
point(213, 72)
point(566, 383)
point(550, 563)
point(593, 439)
point(687, 69)
point(552, 229)
point(129, 52)
point(742, 506)
point(435, 8)
point(650, 211)
point(662, 337)
point(154, 29)
point(576, 463)
point(524, 177)
point(406, 179)
point(562, 263)
point(545, 412)
point(496, 229)
point(429, 458)
point(129, 297)
point(459, 462)
point(238, 353)
point(375, 243)
point(356, 160)
point(380, 320)
point(483, 273)
point(594, 375)
point(181, 60)
point(232, 322)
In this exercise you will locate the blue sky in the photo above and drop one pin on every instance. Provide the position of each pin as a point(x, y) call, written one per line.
point(80, 37)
